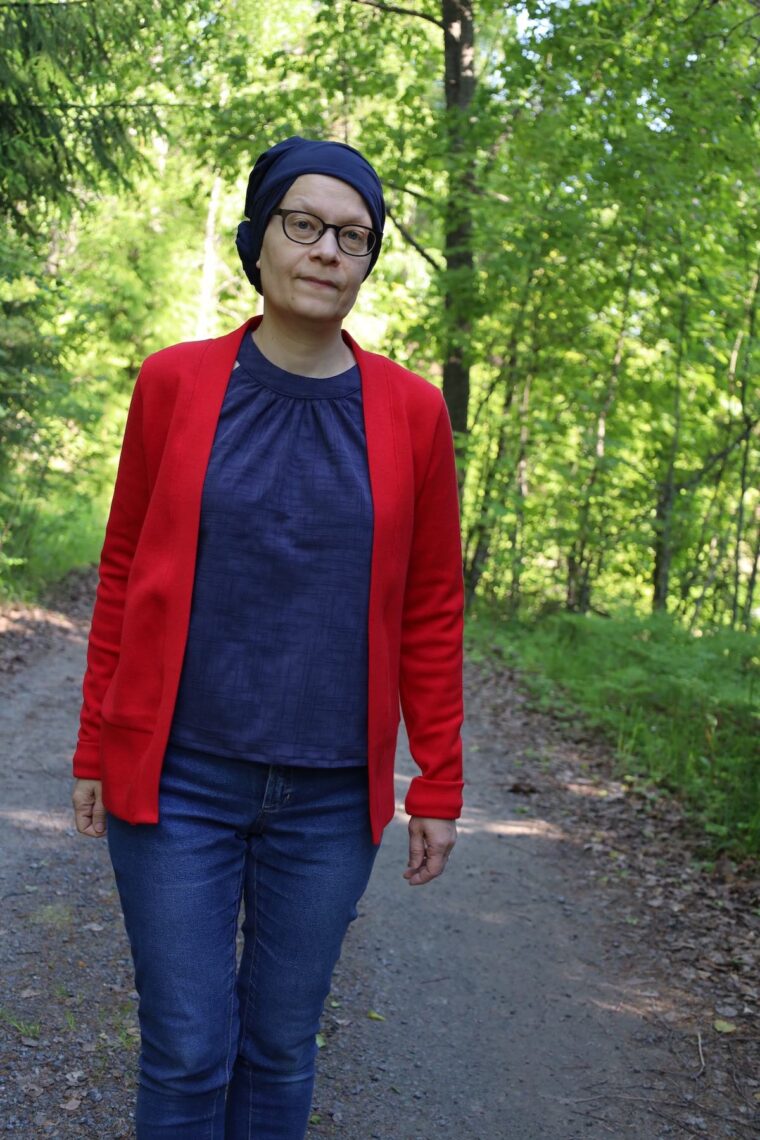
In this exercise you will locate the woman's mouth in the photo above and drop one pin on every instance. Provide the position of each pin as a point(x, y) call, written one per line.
point(321, 283)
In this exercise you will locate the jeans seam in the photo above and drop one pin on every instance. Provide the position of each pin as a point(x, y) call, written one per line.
point(212, 1118)
point(234, 969)
point(250, 988)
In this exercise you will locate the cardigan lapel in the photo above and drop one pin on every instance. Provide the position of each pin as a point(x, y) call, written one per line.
point(387, 500)
point(191, 439)
point(382, 457)
point(189, 444)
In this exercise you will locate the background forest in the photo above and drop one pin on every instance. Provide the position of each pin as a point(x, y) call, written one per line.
point(572, 253)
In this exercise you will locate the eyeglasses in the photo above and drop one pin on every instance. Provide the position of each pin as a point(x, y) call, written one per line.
point(306, 229)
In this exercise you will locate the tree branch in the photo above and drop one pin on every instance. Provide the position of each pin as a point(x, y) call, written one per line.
point(415, 245)
point(406, 190)
point(401, 11)
point(692, 14)
point(696, 477)
point(31, 105)
point(44, 3)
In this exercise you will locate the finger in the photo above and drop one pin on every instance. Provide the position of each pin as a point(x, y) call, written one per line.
point(416, 851)
point(85, 816)
point(82, 810)
point(420, 877)
point(99, 818)
point(435, 865)
point(435, 862)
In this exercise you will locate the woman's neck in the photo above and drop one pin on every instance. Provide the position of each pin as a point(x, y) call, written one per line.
point(316, 352)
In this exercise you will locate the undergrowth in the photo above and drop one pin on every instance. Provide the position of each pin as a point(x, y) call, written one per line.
point(679, 709)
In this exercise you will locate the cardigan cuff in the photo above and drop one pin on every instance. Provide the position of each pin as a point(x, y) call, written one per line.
point(86, 762)
point(434, 799)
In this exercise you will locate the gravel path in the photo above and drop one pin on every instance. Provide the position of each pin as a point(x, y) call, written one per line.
point(507, 999)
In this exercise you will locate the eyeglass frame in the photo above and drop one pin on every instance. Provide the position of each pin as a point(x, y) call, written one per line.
point(327, 226)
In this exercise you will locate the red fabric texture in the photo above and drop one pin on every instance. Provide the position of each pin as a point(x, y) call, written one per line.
point(142, 605)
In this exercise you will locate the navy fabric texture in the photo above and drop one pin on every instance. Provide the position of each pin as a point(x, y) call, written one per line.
point(276, 662)
point(276, 170)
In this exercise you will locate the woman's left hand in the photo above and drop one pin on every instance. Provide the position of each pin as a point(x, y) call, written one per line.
point(430, 843)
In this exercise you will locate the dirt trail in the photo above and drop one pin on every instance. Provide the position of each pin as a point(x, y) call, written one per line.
point(526, 995)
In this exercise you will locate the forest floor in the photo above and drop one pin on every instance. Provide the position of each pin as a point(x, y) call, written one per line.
point(577, 972)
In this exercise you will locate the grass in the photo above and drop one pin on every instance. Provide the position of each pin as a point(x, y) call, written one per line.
point(679, 709)
point(25, 1028)
point(54, 536)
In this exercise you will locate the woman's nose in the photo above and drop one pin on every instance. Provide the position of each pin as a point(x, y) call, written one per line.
point(326, 245)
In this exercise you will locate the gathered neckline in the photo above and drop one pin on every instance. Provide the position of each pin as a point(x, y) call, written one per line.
point(256, 367)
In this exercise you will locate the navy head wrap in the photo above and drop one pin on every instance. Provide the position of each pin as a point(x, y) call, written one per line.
point(275, 172)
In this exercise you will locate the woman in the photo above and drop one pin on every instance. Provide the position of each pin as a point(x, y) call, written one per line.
point(282, 563)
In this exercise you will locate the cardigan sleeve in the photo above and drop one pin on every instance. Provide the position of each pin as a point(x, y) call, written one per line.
point(430, 679)
point(128, 507)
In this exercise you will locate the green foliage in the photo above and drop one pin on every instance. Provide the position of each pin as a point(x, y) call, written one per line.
point(75, 330)
point(681, 709)
point(608, 168)
point(616, 374)
point(82, 84)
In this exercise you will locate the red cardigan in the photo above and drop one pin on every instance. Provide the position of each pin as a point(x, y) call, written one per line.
point(142, 605)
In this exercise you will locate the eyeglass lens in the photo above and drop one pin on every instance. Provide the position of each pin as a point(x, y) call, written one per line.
point(307, 228)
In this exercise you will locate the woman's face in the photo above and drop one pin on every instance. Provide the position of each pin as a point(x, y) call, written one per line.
point(316, 282)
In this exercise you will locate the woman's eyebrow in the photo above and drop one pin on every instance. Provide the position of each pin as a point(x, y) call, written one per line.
point(299, 203)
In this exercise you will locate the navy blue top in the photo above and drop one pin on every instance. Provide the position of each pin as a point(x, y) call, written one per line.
point(276, 663)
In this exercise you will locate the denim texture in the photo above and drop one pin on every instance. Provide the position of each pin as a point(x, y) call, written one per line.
point(228, 1053)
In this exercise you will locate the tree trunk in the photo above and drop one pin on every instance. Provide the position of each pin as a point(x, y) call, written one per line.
point(459, 288)
point(580, 558)
point(666, 488)
point(479, 540)
point(750, 595)
point(744, 478)
point(207, 298)
point(521, 487)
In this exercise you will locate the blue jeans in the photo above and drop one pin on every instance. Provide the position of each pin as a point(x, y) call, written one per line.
point(228, 1054)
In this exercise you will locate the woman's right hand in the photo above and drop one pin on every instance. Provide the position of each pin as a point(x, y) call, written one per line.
point(89, 813)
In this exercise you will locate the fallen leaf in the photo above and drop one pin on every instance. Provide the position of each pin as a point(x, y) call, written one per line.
point(522, 788)
point(724, 1026)
point(373, 1015)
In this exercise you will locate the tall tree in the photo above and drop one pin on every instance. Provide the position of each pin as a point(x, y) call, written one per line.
point(82, 83)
